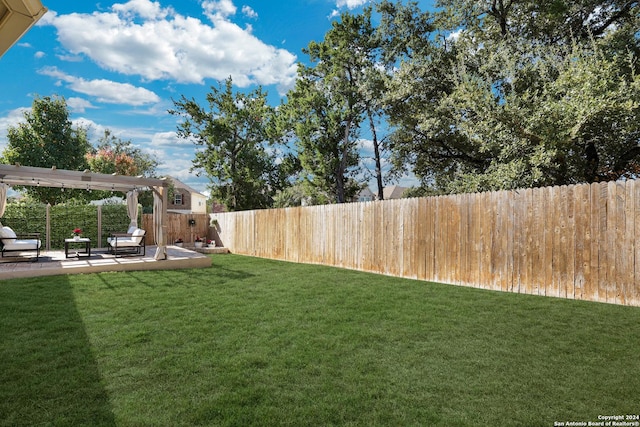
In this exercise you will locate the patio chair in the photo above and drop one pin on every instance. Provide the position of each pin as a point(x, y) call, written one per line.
point(114, 234)
point(130, 243)
point(20, 243)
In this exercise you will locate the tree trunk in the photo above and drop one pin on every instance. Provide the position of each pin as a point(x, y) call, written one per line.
point(376, 154)
point(343, 165)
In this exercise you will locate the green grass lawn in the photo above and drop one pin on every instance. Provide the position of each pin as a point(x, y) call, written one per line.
point(258, 342)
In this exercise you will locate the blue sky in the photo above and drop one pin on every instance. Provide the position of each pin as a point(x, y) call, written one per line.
point(120, 64)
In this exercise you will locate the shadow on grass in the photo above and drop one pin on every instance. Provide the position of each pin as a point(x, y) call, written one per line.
point(48, 374)
point(172, 278)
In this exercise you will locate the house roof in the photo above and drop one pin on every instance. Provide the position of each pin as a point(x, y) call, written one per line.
point(393, 192)
point(181, 185)
point(366, 192)
point(16, 17)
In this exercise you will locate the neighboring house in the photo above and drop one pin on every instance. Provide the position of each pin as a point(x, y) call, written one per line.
point(393, 192)
point(115, 200)
point(186, 200)
point(365, 195)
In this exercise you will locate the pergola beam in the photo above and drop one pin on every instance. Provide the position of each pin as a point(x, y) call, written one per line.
point(16, 175)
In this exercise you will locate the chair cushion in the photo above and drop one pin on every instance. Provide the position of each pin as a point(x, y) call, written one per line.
point(22, 245)
point(7, 233)
point(134, 240)
point(137, 235)
point(123, 242)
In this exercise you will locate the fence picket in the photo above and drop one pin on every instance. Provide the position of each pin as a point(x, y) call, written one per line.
point(423, 240)
point(582, 239)
point(634, 291)
point(535, 264)
point(612, 235)
point(485, 212)
point(628, 246)
point(590, 287)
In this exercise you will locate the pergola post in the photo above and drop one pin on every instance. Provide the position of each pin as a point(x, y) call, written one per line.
point(165, 202)
point(160, 200)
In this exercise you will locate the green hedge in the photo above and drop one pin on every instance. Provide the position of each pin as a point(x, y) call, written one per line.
point(26, 217)
point(32, 217)
point(115, 220)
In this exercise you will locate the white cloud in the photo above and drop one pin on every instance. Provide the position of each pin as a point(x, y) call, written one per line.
point(168, 139)
point(104, 90)
point(79, 105)
point(143, 8)
point(70, 58)
point(39, 54)
point(454, 35)
point(366, 145)
point(11, 120)
point(141, 38)
point(350, 4)
point(178, 166)
point(220, 9)
point(249, 12)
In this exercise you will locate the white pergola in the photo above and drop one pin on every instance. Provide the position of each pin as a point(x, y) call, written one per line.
point(16, 17)
point(16, 175)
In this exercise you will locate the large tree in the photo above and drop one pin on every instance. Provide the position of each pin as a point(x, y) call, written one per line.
point(237, 145)
point(539, 21)
point(326, 150)
point(333, 97)
point(47, 138)
point(566, 118)
point(113, 155)
point(504, 102)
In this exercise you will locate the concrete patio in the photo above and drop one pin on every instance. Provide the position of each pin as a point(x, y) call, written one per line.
point(54, 263)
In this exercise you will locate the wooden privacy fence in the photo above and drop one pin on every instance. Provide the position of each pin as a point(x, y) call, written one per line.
point(184, 226)
point(570, 242)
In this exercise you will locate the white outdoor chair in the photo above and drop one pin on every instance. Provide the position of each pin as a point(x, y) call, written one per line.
point(130, 243)
point(20, 243)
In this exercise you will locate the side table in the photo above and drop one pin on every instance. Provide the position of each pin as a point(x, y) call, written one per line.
point(84, 241)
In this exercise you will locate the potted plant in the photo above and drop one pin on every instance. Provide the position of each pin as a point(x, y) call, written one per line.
point(211, 243)
point(179, 241)
point(198, 242)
